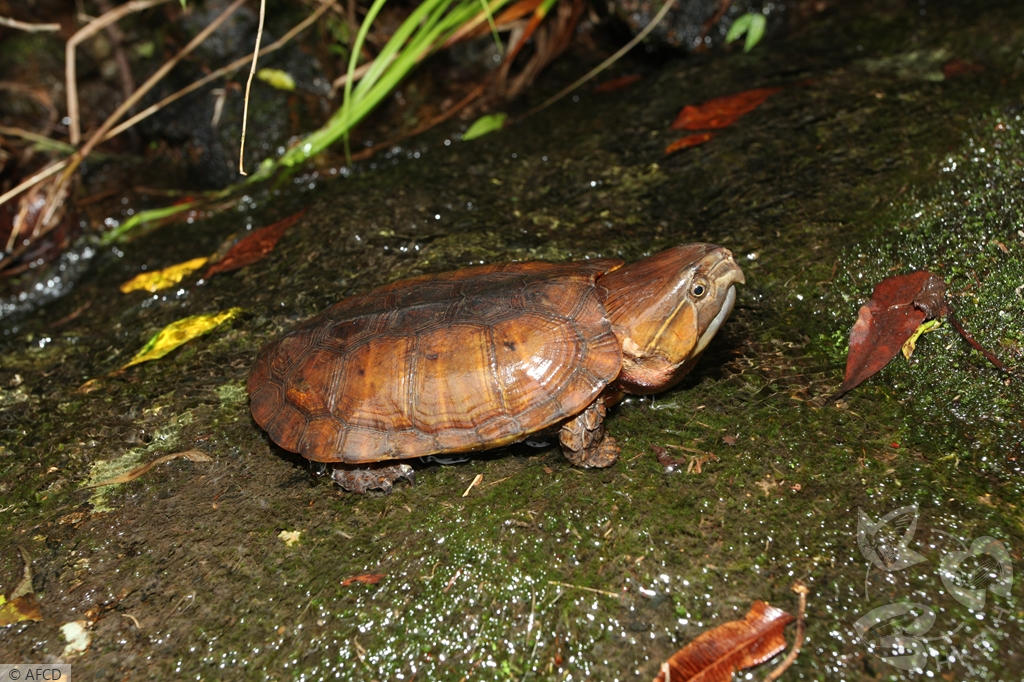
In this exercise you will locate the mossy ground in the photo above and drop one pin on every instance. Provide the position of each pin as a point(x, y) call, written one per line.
point(868, 163)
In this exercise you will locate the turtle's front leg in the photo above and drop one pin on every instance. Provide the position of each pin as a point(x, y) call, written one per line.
point(584, 442)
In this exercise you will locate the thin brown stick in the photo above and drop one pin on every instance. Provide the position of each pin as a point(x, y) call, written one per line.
point(606, 593)
point(357, 73)
point(57, 166)
point(82, 34)
point(28, 27)
point(58, 187)
point(248, 87)
point(214, 75)
point(440, 118)
point(476, 482)
point(471, 26)
point(27, 184)
point(117, 39)
point(191, 455)
point(798, 640)
point(157, 76)
point(637, 39)
point(36, 138)
point(973, 343)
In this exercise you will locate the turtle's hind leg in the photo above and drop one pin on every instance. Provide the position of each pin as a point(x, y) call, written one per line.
point(584, 442)
point(363, 478)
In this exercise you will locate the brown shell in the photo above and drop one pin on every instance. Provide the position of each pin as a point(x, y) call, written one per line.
point(459, 361)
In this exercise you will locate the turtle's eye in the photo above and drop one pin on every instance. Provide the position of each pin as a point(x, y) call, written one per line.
point(698, 289)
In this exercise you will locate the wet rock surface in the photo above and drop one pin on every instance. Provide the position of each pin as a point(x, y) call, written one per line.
point(872, 160)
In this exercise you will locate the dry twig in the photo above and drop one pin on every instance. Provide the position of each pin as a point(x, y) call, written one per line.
point(58, 166)
point(637, 39)
point(190, 455)
point(248, 87)
point(58, 188)
point(801, 589)
point(606, 593)
point(28, 27)
point(476, 482)
point(82, 34)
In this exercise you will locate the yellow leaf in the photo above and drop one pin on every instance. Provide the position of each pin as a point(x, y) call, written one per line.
point(276, 78)
point(22, 604)
point(19, 609)
point(180, 332)
point(161, 279)
point(910, 344)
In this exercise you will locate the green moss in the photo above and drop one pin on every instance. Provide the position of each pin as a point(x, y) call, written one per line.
point(232, 395)
point(104, 470)
point(542, 571)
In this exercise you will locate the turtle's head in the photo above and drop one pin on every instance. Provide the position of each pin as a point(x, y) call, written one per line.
point(665, 308)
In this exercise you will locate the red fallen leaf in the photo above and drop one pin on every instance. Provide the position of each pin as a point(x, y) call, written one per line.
point(617, 83)
point(688, 141)
point(897, 308)
point(716, 654)
point(721, 112)
point(365, 578)
point(958, 67)
point(252, 248)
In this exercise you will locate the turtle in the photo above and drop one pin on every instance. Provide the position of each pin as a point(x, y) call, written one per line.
point(486, 356)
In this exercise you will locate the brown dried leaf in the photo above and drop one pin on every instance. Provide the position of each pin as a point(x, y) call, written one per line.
point(19, 609)
point(253, 247)
point(365, 578)
point(959, 67)
point(617, 83)
point(897, 308)
point(721, 112)
point(716, 654)
point(666, 460)
point(688, 141)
